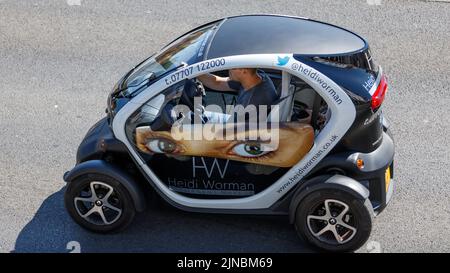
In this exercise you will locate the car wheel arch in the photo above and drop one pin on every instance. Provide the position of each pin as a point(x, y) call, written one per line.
point(328, 181)
point(108, 169)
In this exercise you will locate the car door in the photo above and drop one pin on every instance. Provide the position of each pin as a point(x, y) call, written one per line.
point(215, 168)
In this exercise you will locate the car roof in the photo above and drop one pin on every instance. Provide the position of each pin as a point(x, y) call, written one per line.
point(264, 34)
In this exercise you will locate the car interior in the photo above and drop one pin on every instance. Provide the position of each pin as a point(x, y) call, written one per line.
point(297, 101)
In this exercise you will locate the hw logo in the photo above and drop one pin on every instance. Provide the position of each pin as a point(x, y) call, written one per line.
point(209, 169)
point(282, 61)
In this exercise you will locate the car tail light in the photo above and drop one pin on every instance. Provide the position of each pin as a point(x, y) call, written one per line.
point(380, 92)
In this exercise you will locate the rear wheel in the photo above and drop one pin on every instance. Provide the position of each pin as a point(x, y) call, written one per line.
point(333, 221)
point(99, 203)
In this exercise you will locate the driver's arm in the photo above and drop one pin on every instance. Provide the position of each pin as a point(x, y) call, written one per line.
point(215, 82)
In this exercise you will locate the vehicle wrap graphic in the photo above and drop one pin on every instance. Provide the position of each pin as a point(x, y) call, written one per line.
point(342, 117)
point(295, 140)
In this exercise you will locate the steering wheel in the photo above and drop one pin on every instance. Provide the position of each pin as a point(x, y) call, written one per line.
point(193, 88)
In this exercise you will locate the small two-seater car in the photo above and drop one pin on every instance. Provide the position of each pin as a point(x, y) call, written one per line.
point(330, 171)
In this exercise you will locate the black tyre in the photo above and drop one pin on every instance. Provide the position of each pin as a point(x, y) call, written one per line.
point(333, 220)
point(99, 203)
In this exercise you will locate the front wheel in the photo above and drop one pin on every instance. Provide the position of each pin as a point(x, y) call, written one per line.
point(333, 221)
point(99, 203)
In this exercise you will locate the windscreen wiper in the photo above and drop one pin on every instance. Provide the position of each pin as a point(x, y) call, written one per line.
point(182, 64)
point(150, 79)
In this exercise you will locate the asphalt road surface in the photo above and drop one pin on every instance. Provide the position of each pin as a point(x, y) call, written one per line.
point(60, 58)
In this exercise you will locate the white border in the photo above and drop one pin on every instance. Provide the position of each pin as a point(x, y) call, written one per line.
point(343, 115)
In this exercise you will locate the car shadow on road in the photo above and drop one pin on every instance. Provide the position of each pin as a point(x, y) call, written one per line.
point(160, 228)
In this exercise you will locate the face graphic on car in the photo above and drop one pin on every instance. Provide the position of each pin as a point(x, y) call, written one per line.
point(295, 140)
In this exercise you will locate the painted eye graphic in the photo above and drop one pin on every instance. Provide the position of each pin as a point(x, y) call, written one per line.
point(161, 146)
point(249, 150)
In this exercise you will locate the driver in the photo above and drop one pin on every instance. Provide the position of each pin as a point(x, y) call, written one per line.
point(252, 87)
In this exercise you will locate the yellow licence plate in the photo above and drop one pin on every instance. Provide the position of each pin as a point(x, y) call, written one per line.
point(387, 178)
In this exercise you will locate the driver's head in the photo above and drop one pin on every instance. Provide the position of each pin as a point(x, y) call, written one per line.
point(242, 74)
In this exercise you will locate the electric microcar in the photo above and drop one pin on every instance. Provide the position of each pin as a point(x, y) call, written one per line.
point(324, 157)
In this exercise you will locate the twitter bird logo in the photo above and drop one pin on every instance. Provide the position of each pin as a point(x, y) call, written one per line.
point(282, 61)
